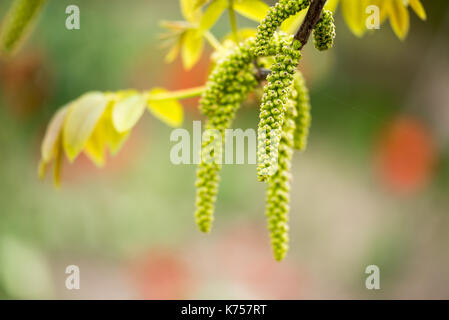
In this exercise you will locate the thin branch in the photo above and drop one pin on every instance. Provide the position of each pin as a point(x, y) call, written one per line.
point(212, 40)
point(303, 33)
point(233, 21)
point(311, 19)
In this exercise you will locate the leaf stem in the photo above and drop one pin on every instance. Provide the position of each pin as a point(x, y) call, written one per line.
point(179, 94)
point(233, 21)
point(212, 40)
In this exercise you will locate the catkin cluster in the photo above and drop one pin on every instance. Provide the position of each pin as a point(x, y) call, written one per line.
point(300, 96)
point(324, 31)
point(273, 107)
point(228, 85)
point(274, 18)
point(284, 119)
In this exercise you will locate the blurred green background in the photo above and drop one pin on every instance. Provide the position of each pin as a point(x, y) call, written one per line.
point(371, 189)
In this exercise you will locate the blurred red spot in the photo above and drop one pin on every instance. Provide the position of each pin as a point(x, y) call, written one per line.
point(162, 274)
point(177, 78)
point(25, 81)
point(406, 155)
point(245, 254)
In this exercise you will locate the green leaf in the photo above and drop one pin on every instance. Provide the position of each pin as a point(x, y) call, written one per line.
point(169, 111)
point(127, 111)
point(252, 9)
point(212, 14)
point(82, 118)
point(19, 23)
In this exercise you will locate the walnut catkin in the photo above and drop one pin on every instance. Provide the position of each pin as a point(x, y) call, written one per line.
point(273, 107)
point(228, 85)
point(324, 31)
point(303, 117)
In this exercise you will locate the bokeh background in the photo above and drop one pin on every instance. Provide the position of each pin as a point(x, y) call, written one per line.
point(373, 187)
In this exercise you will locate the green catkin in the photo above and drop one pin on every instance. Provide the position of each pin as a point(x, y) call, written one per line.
point(303, 117)
point(228, 85)
point(19, 23)
point(324, 32)
point(273, 106)
point(274, 18)
point(278, 187)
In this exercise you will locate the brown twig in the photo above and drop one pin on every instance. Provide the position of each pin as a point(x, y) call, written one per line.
point(304, 31)
point(311, 19)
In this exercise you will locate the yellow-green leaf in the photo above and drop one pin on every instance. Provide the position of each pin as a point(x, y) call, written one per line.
point(190, 11)
point(252, 9)
point(331, 5)
point(212, 14)
point(292, 23)
point(355, 16)
point(114, 139)
point(127, 111)
point(243, 34)
point(192, 47)
point(173, 52)
point(418, 8)
point(383, 6)
point(53, 134)
point(81, 120)
point(96, 144)
point(200, 3)
point(57, 167)
point(399, 18)
point(169, 111)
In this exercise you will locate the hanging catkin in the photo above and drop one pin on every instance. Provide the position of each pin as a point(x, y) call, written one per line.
point(303, 117)
point(278, 186)
point(228, 85)
point(273, 107)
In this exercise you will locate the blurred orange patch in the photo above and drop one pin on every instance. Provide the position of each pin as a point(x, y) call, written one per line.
point(162, 274)
point(406, 155)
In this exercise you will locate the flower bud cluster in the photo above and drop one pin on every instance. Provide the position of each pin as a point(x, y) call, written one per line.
point(274, 18)
point(324, 32)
